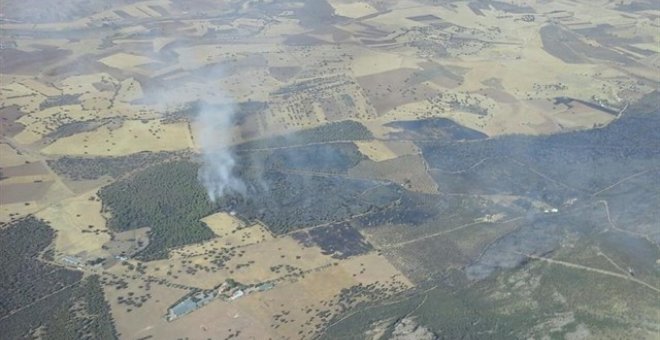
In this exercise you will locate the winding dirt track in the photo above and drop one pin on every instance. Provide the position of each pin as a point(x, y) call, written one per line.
point(593, 270)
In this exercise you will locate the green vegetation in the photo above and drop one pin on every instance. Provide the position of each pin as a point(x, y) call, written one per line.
point(168, 198)
point(91, 321)
point(96, 306)
point(65, 99)
point(72, 128)
point(26, 279)
point(541, 299)
point(40, 298)
point(84, 168)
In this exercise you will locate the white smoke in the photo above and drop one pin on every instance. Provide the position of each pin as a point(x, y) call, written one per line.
point(214, 124)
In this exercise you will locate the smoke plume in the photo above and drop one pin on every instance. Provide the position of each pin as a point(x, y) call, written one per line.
point(214, 124)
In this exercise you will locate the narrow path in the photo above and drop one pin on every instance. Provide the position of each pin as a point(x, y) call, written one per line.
point(615, 227)
point(39, 300)
point(600, 253)
point(538, 173)
point(590, 269)
point(622, 181)
point(463, 170)
point(447, 231)
point(334, 222)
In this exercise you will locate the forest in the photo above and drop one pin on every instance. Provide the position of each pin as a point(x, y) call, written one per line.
point(27, 277)
point(87, 168)
point(38, 297)
point(166, 197)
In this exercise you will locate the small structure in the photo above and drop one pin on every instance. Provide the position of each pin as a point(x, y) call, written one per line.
point(237, 294)
point(71, 260)
point(265, 286)
point(528, 18)
point(189, 304)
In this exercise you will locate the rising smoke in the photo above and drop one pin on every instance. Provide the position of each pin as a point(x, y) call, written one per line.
point(214, 124)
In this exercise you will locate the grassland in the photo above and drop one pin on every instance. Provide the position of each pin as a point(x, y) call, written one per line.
point(475, 169)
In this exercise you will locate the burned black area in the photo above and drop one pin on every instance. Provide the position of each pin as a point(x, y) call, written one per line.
point(339, 240)
point(347, 130)
point(568, 102)
point(569, 46)
point(335, 158)
point(9, 116)
point(552, 168)
point(478, 6)
point(410, 209)
point(571, 171)
point(70, 129)
point(65, 99)
point(433, 128)
point(286, 201)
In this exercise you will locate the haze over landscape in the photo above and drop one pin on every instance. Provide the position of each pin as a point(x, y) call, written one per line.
point(330, 169)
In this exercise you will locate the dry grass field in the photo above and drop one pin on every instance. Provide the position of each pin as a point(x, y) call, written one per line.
point(79, 224)
point(89, 85)
point(130, 137)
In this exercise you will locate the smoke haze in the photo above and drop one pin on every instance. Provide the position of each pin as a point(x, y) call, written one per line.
point(214, 124)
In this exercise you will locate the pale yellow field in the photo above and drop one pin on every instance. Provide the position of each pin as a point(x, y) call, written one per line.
point(140, 11)
point(17, 94)
point(297, 302)
point(375, 70)
point(375, 150)
point(140, 321)
point(318, 292)
point(232, 232)
point(44, 89)
point(370, 62)
point(56, 192)
point(403, 147)
point(97, 102)
point(11, 158)
point(124, 60)
point(216, 320)
point(352, 9)
point(47, 120)
point(250, 264)
point(223, 223)
point(16, 210)
point(85, 83)
point(131, 137)
point(370, 268)
point(73, 216)
point(130, 89)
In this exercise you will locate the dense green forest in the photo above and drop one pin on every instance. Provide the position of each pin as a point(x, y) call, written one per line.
point(26, 278)
point(84, 315)
point(168, 198)
point(86, 168)
point(37, 297)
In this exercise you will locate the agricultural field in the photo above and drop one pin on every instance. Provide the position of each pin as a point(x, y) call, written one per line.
point(329, 169)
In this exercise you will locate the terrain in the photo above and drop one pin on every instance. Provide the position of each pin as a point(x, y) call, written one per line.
point(418, 169)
